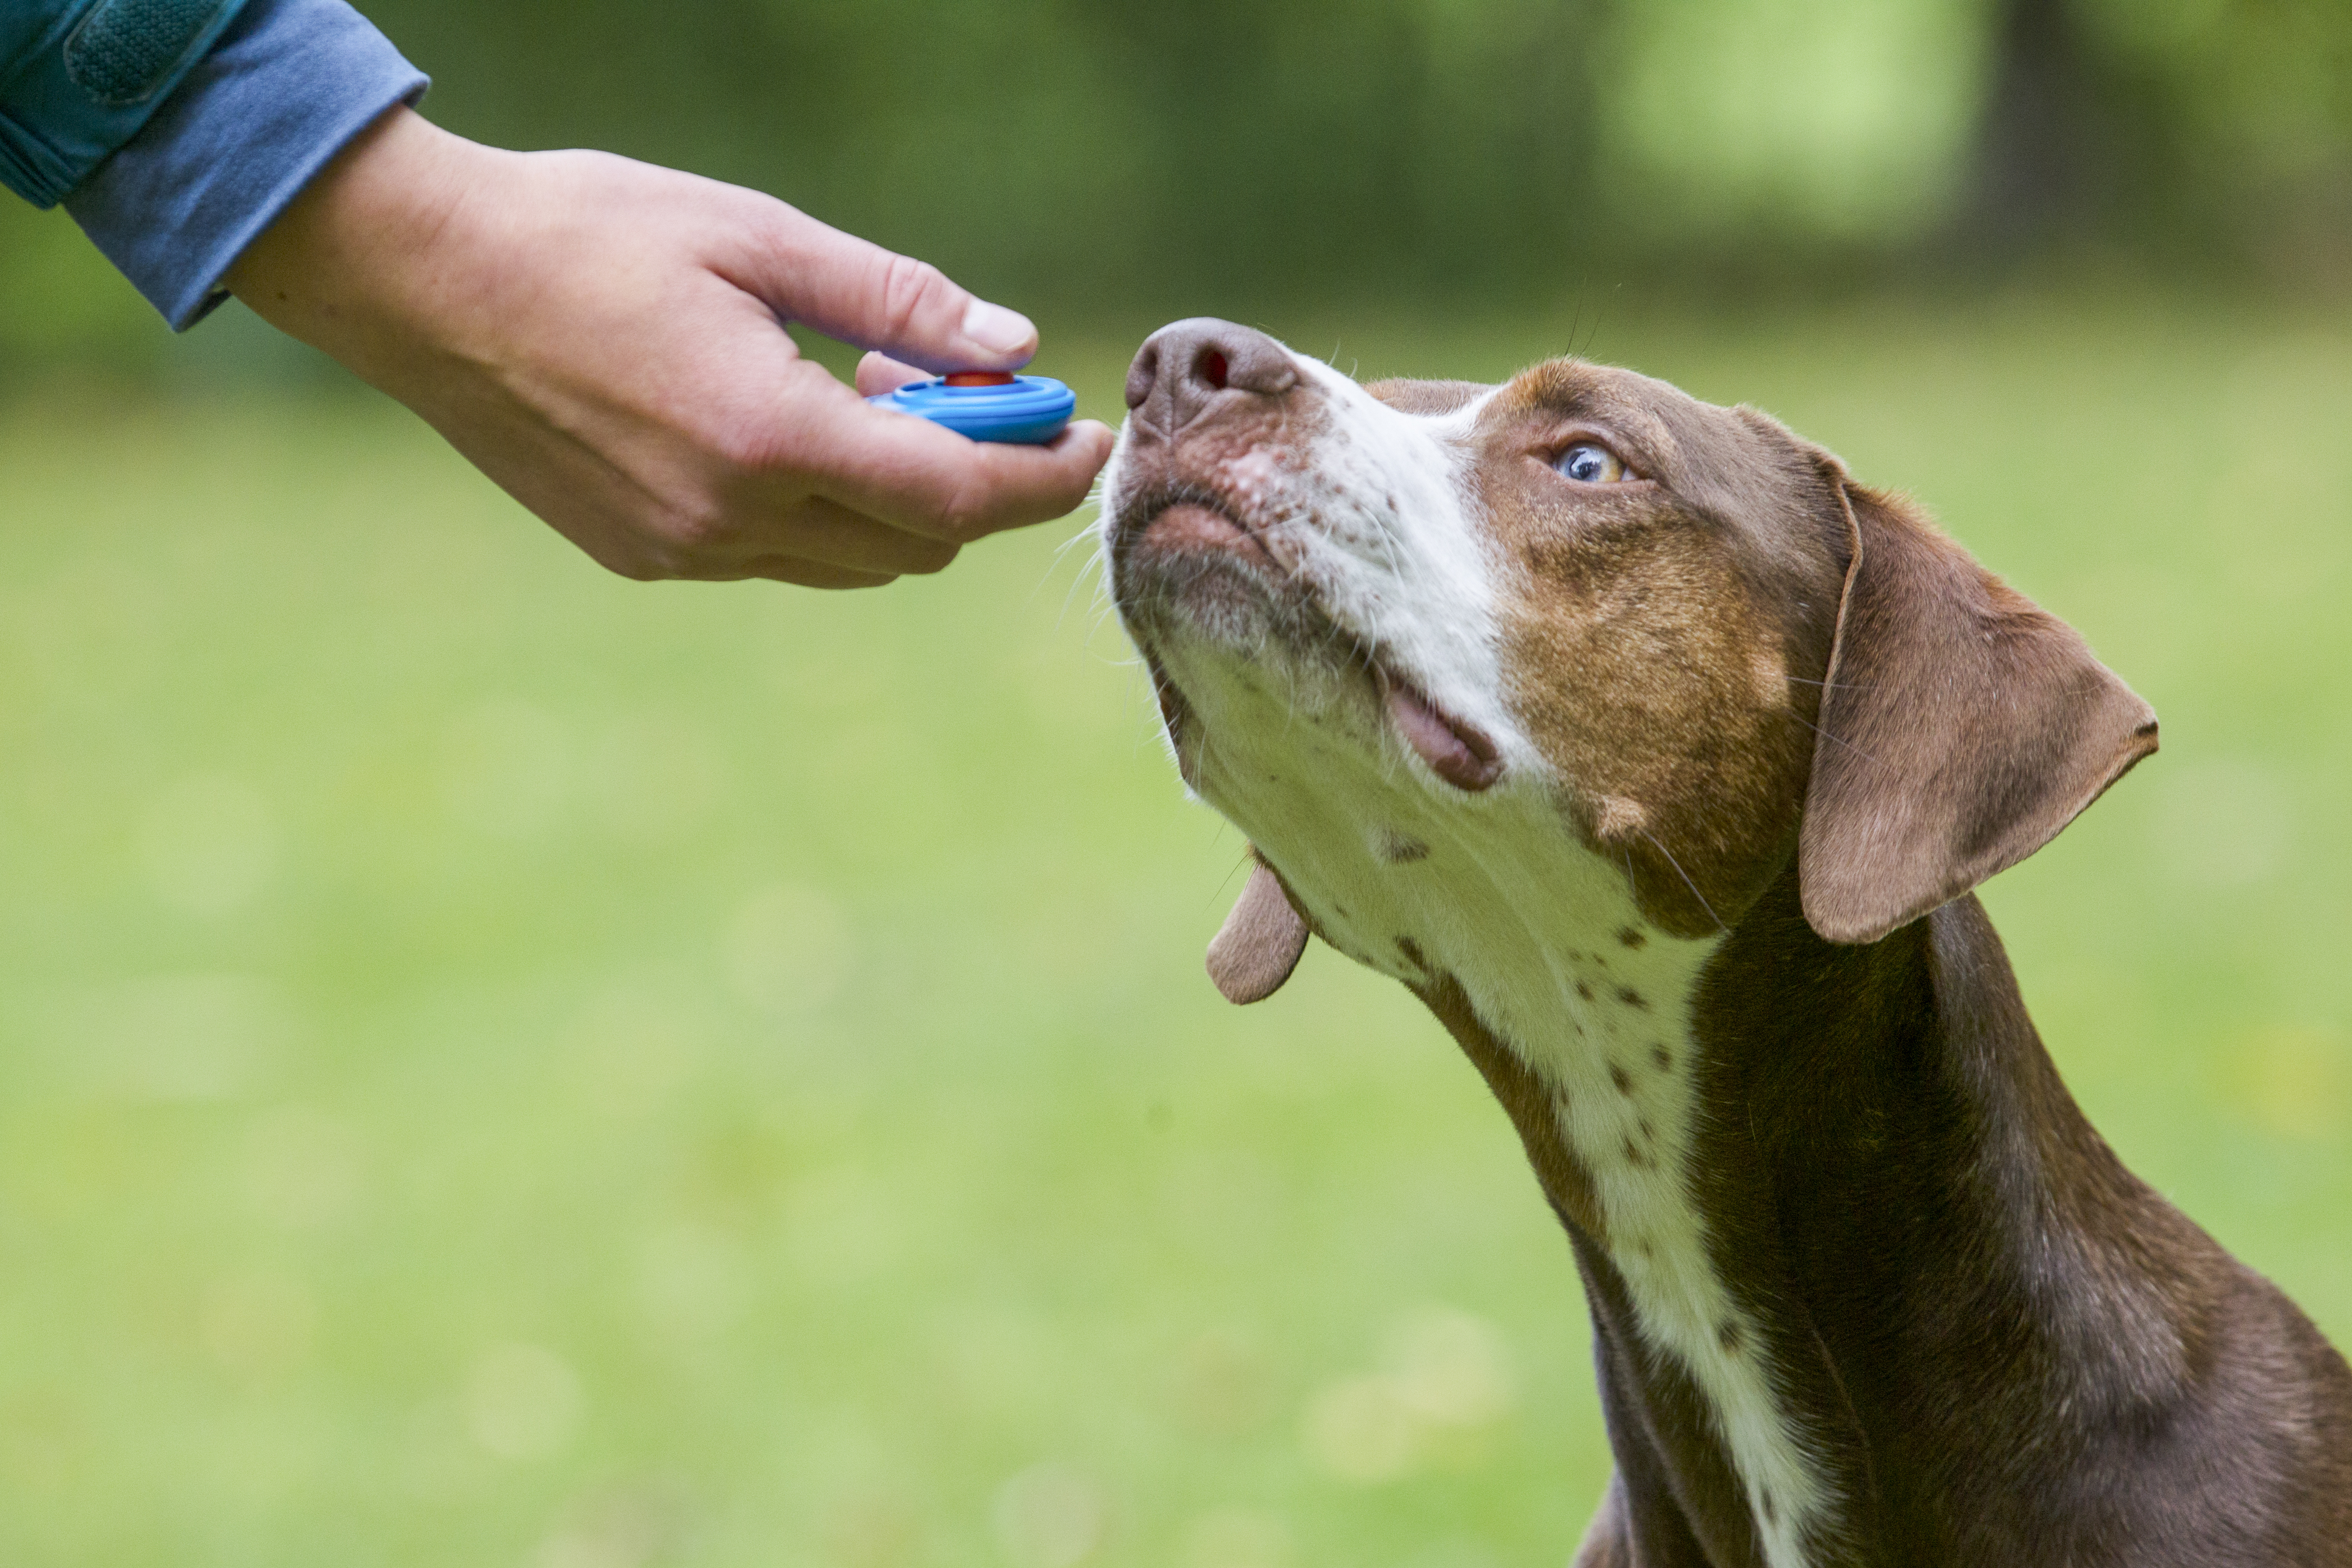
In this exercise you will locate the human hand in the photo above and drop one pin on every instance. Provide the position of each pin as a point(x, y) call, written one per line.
point(604, 340)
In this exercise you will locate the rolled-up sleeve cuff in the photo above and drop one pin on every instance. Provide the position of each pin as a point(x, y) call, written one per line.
point(285, 89)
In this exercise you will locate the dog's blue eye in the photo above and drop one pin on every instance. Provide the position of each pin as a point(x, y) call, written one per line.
point(1590, 463)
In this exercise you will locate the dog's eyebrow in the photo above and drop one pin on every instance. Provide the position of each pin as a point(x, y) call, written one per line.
point(1557, 386)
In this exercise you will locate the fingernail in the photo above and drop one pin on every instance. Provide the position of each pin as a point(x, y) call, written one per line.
point(997, 329)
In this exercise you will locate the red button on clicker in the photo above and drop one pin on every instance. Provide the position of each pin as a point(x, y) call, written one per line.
point(980, 378)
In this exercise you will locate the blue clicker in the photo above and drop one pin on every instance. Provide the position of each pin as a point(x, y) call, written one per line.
point(1027, 411)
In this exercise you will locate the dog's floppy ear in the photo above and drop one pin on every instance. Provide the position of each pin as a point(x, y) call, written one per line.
point(1259, 944)
point(1961, 728)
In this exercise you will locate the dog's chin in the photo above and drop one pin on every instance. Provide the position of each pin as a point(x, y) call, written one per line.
point(1188, 569)
point(1203, 595)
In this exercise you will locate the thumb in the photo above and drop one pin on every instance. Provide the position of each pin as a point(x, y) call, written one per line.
point(861, 294)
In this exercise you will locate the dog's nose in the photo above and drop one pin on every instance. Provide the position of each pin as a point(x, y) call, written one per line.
point(1186, 365)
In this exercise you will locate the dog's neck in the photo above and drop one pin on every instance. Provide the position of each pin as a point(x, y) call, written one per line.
point(1850, 1248)
point(1950, 1277)
point(1535, 942)
point(1789, 1168)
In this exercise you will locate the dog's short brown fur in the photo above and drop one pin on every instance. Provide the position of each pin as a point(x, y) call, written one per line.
point(1799, 724)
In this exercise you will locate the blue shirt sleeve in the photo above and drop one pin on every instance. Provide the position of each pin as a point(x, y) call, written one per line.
point(285, 89)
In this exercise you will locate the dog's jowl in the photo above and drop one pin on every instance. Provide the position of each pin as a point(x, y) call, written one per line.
point(1659, 755)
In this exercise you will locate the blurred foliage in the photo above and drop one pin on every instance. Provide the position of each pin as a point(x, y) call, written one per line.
point(502, 1065)
point(61, 303)
point(1092, 157)
point(1838, 121)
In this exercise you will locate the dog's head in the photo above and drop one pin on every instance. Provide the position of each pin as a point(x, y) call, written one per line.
point(1670, 635)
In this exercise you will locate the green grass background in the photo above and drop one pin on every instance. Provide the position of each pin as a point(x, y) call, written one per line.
point(500, 1065)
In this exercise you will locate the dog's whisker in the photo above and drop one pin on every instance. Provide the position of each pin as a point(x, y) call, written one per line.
point(1825, 735)
point(1092, 563)
point(1671, 860)
point(1077, 578)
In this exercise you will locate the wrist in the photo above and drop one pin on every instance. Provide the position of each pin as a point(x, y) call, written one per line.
point(354, 263)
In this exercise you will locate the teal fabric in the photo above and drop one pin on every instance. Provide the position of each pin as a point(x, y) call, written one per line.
point(80, 77)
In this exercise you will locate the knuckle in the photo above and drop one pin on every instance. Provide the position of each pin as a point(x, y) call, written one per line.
point(622, 554)
point(744, 447)
point(774, 226)
point(909, 286)
point(965, 517)
point(686, 538)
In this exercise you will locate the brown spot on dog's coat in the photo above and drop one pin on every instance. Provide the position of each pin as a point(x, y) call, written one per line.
point(1411, 951)
point(1663, 1057)
point(1631, 998)
point(1584, 990)
point(1630, 938)
point(1728, 1336)
point(1620, 1077)
point(1634, 1156)
point(1397, 850)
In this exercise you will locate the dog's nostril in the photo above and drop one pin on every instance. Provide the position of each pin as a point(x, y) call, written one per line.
point(1184, 369)
point(1141, 374)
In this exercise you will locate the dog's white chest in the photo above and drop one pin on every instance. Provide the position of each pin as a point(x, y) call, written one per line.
point(1545, 940)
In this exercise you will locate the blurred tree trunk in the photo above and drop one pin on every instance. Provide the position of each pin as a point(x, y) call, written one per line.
point(2047, 157)
point(2096, 136)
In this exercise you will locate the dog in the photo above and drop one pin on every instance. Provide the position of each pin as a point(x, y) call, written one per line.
point(1659, 757)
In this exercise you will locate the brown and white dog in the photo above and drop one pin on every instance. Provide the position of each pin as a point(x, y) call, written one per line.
point(1658, 756)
